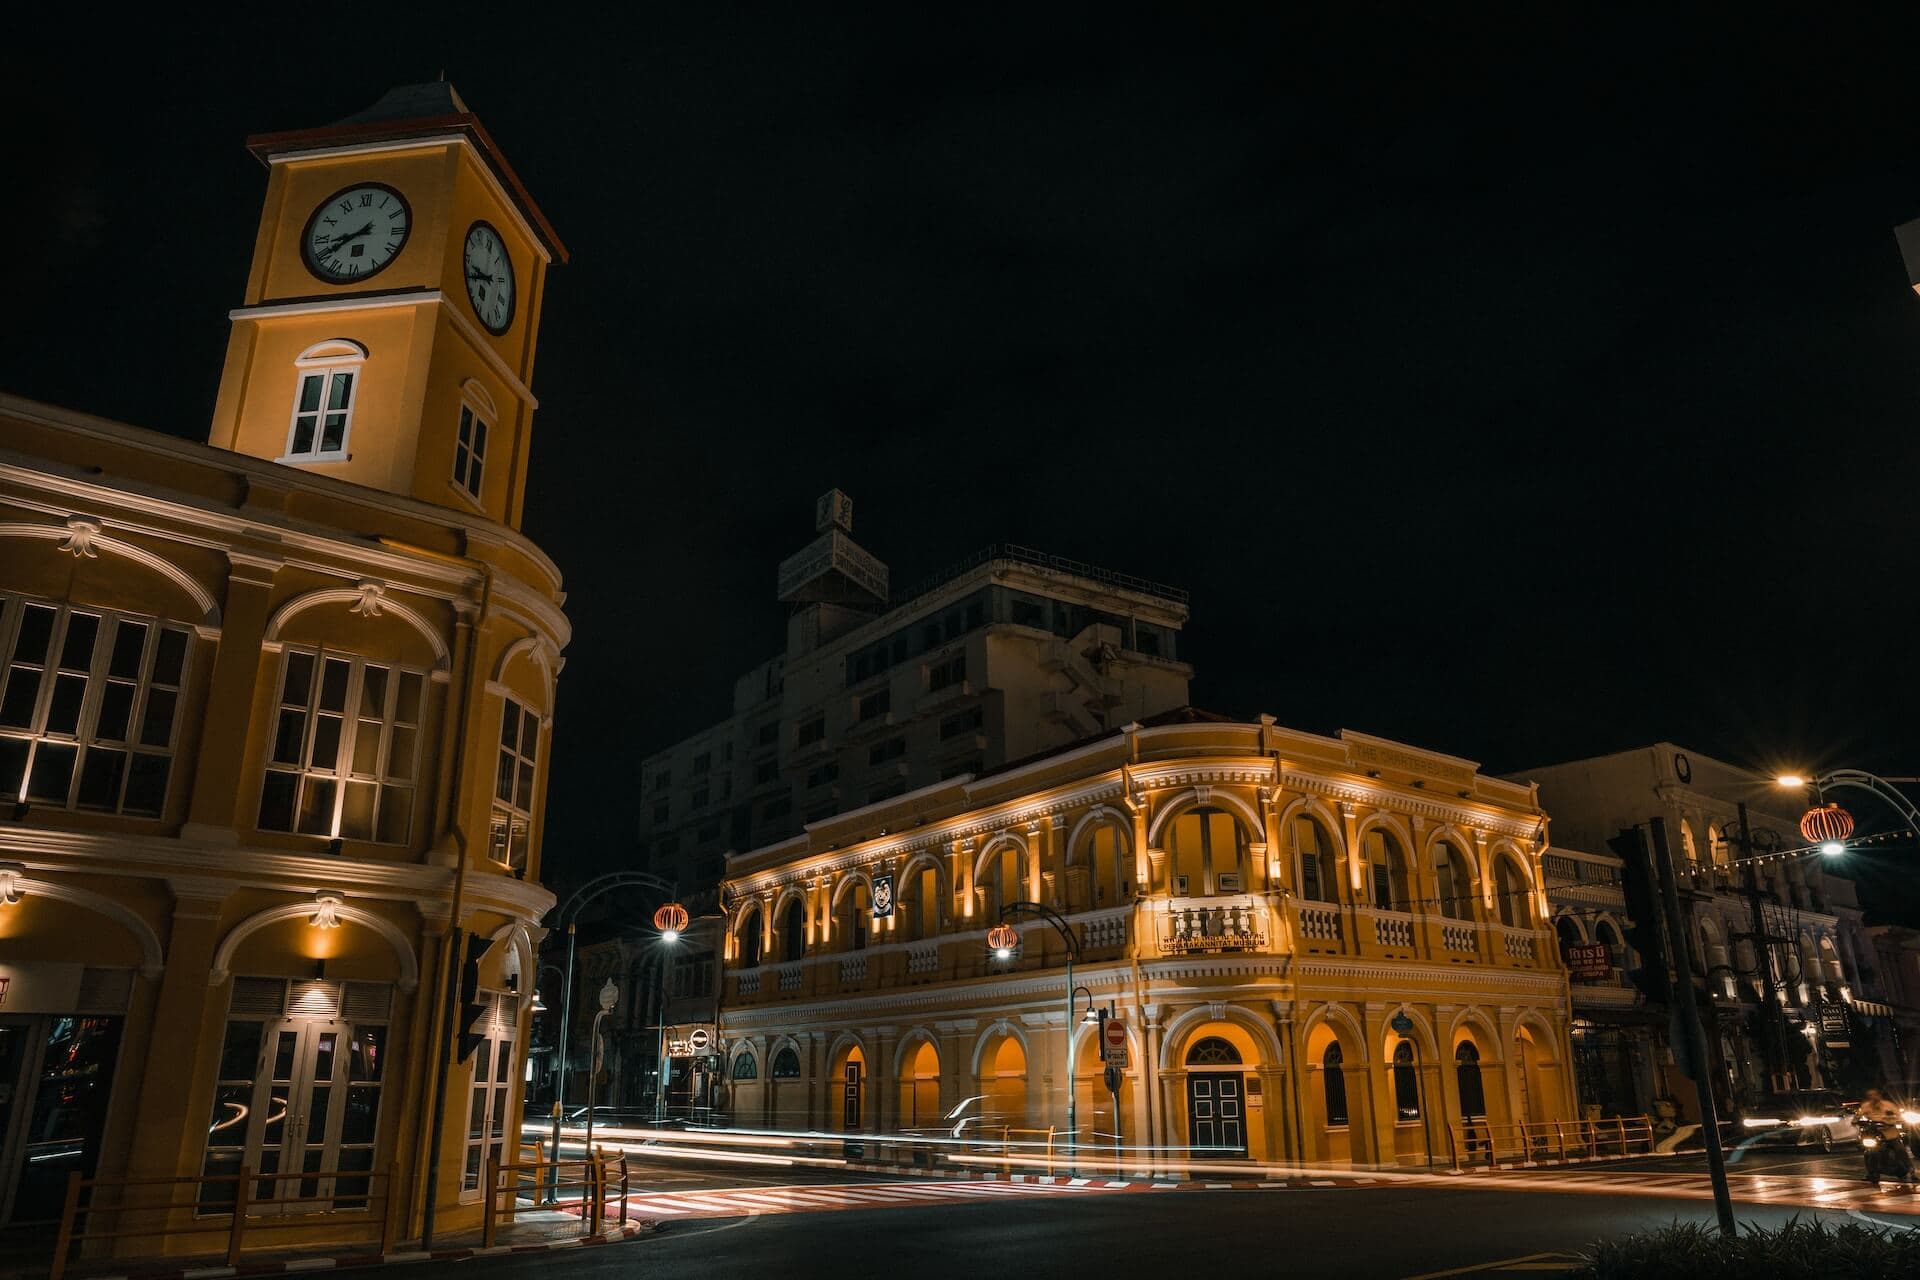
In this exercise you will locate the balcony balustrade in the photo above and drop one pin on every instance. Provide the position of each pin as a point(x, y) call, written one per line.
point(1213, 924)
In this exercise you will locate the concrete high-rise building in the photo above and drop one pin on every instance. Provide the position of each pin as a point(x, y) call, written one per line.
point(1009, 653)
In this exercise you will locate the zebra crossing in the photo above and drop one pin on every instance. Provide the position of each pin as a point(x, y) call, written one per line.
point(758, 1201)
point(1810, 1192)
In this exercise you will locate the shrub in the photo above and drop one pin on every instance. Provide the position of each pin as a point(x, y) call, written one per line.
point(1813, 1250)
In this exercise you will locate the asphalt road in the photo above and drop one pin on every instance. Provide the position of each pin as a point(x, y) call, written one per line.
point(1336, 1232)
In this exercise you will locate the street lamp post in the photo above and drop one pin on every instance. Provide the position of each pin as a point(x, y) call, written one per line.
point(609, 997)
point(1002, 946)
point(669, 920)
point(565, 913)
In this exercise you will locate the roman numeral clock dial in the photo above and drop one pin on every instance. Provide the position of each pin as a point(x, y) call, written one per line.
point(489, 273)
point(355, 233)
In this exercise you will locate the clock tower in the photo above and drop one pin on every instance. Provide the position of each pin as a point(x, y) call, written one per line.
point(387, 332)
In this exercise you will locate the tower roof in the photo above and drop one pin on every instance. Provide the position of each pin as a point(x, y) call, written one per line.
point(433, 109)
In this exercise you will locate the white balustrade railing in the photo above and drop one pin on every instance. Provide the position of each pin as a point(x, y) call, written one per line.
point(1393, 928)
point(1519, 943)
point(1318, 922)
point(1106, 928)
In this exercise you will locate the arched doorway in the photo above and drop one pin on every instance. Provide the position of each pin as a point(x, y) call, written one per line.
point(1003, 1085)
point(1333, 1096)
point(1537, 1077)
point(847, 1093)
point(1216, 1098)
point(920, 1087)
point(786, 1096)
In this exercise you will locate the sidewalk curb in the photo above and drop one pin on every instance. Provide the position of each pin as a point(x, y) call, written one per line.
point(342, 1262)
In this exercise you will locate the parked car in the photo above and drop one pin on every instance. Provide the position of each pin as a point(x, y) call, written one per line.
point(1804, 1118)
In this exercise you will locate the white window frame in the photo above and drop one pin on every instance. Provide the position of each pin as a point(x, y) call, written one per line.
point(476, 406)
point(85, 736)
point(501, 1020)
point(342, 773)
point(326, 361)
point(507, 812)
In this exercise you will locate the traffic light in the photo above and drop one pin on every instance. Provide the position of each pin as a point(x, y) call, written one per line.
point(1645, 935)
point(472, 1007)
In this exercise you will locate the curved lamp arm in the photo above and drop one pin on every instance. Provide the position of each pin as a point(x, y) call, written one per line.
point(1860, 780)
point(1048, 914)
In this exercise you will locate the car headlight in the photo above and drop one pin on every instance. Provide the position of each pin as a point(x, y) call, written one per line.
point(1910, 1117)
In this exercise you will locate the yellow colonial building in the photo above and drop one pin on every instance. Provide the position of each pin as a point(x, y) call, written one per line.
point(1322, 949)
point(275, 713)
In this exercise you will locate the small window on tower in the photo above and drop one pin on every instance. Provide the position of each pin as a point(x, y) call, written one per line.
point(469, 452)
point(329, 374)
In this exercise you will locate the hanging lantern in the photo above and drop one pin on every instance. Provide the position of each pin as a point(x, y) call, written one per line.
point(671, 918)
point(1002, 938)
point(1826, 824)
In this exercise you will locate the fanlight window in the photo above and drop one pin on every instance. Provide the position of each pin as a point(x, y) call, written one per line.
point(1213, 1051)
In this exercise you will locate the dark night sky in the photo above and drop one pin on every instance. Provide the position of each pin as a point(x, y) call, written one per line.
point(1522, 393)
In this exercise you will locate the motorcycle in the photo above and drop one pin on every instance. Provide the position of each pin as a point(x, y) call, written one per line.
point(1884, 1143)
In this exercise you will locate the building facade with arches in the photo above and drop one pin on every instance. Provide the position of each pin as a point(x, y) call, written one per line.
point(1775, 936)
point(275, 713)
point(1324, 949)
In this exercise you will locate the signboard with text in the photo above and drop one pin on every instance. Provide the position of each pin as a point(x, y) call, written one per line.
point(1588, 961)
point(1113, 1043)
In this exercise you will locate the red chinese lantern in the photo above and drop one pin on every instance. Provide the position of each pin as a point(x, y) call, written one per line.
point(1826, 824)
point(671, 918)
point(1002, 937)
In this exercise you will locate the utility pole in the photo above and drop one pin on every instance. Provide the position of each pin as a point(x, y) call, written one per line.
point(1687, 1005)
point(1772, 1045)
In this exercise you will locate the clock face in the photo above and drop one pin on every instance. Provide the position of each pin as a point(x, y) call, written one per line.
point(489, 273)
point(355, 233)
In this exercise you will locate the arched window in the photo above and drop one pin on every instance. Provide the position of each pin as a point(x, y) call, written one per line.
point(1387, 866)
point(1510, 884)
point(1204, 845)
point(749, 938)
point(1001, 876)
point(1213, 1052)
point(1453, 882)
point(1406, 1083)
point(786, 1064)
point(1473, 1094)
point(793, 932)
point(1314, 848)
point(327, 380)
point(1333, 1076)
point(856, 915)
point(745, 1068)
point(1109, 871)
point(920, 903)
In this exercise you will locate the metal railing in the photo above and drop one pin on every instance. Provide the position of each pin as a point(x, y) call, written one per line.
point(1026, 1144)
point(596, 1174)
point(91, 1201)
point(1478, 1142)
